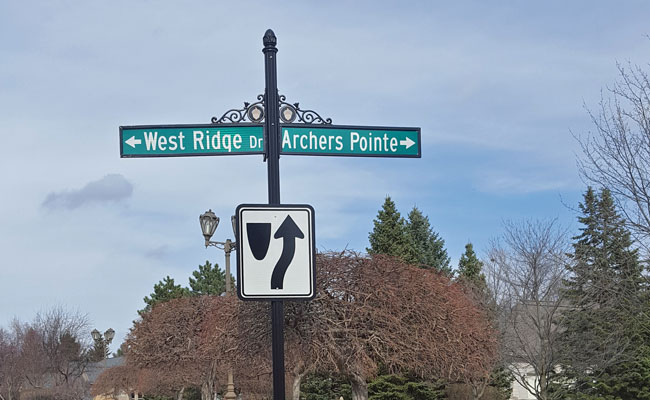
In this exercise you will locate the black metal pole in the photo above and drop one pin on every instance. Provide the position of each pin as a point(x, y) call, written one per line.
point(271, 103)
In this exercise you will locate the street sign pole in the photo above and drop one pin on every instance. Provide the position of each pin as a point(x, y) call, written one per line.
point(288, 129)
point(272, 143)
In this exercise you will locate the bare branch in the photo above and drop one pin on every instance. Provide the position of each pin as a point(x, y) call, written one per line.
point(525, 271)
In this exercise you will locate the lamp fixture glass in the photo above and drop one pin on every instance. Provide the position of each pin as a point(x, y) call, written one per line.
point(209, 222)
point(109, 335)
point(287, 114)
point(256, 113)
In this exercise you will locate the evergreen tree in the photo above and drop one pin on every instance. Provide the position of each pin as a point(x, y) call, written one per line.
point(119, 352)
point(501, 382)
point(470, 272)
point(429, 246)
point(70, 349)
point(606, 330)
point(164, 290)
point(390, 235)
point(470, 267)
point(208, 280)
point(99, 351)
point(397, 387)
point(324, 387)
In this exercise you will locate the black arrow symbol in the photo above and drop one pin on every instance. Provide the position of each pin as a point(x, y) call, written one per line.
point(288, 231)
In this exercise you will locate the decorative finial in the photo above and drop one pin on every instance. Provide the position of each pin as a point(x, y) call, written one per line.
point(269, 39)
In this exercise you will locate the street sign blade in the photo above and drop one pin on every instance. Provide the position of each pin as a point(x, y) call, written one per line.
point(275, 252)
point(295, 139)
point(191, 140)
point(351, 141)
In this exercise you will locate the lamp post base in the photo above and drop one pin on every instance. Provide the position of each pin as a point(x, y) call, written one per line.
point(230, 389)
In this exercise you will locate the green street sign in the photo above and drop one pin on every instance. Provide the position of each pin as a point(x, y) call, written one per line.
point(355, 141)
point(296, 139)
point(190, 140)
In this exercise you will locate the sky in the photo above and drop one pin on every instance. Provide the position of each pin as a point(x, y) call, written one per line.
point(499, 89)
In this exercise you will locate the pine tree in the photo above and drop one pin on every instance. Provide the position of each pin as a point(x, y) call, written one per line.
point(390, 235)
point(398, 387)
point(470, 267)
point(470, 273)
point(324, 386)
point(164, 290)
point(208, 280)
point(99, 351)
point(501, 382)
point(429, 246)
point(605, 328)
point(69, 348)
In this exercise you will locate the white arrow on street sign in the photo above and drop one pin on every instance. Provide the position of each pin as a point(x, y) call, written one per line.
point(132, 141)
point(407, 142)
point(275, 252)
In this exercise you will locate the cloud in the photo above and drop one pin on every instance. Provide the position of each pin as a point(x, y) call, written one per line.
point(159, 252)
point(523, 180)
point(110, 189)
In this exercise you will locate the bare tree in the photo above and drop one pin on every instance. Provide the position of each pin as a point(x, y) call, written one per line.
point(191, 332)
point(11, 376)
point(482, 382)
point(617, 154)
point(526, 268)
point(126, 378)
point(63, 334)
point(367, 312)
point(46, 357)
point(114, 380)
point(378, 310)
point(53, 354)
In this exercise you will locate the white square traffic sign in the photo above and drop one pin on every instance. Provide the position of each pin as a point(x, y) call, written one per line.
point(275, 252)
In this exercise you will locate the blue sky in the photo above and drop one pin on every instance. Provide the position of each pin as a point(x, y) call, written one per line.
point(497, 88)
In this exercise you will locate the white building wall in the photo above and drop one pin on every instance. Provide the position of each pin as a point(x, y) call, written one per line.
point(518, 391)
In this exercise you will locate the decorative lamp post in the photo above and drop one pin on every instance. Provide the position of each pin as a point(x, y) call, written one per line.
point(109, 335)
point(209, 222)
point(104, 340)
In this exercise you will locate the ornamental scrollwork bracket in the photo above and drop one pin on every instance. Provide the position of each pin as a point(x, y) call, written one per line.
point(255, 113)
point(290, 113)
point(252, 112)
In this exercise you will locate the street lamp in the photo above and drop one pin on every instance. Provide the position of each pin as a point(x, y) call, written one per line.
point(209, 222)
point(104, 340)
point(109, 335)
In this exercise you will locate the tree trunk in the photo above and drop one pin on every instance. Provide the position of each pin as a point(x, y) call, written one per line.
point(207, 391)
point(295, 388)
point(359, 388)
point(179, 396)
point(478, 388)
point(543, 394)
point(9, 389)
point(299, 372)
point(208, 388)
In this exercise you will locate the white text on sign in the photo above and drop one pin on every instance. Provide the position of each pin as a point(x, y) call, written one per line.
point(356, 142)
point(201, 140)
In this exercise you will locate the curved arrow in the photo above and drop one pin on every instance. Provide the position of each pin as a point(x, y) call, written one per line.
point(288, 231)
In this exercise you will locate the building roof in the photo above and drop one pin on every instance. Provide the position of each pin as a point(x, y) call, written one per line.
point(95, 368)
